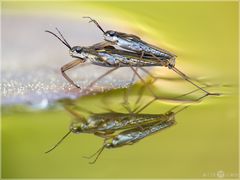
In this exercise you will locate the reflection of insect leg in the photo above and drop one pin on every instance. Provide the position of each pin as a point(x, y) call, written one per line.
point(154, 99)
point(134, 76)
point(145, 106)
point(69, 66)
point(76, 111)
point(125, 102)
point(100, 77)
point(98, 152)
point(149, 89)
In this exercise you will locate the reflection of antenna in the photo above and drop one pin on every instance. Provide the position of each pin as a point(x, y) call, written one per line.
point(58, 142)
point(98, 153)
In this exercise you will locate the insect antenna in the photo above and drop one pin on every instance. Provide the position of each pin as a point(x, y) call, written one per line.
point(63, 41)
point(63, 37)
point(58, 142)
point(95, 22)
point(98, 153)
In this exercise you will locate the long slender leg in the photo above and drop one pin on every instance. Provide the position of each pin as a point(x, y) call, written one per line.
point(125, 102)
point(149, 89)
point(170, 79)
point(95, 22)
point(177, 97)
point(69, 66)
point(145, 106)
point(143, 88)
point(180, 95)
point(150, 74)
point(134, 74)
point(97, 154)
point(100, 77)
point(133, 78)
point(189, 80)
point(185, 77)
point(140, 93)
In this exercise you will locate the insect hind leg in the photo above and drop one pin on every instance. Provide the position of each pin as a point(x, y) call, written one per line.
point(184, 76)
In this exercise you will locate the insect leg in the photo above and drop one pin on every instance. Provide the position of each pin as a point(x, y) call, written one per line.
point(134, 74)
point(152, 76)
point(185, 77)
point(190, 92)
point(154, 99)
point(176, 96)
point(125, 102)
point(69, 66)
point(149, 89)
point(96, 153)
point(100, 77)
point(95, 22)
point(145, 106)
point(175, 107)
point(133, 78)
point(189, 80)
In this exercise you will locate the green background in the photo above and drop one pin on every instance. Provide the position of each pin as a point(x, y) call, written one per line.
point(204, 35)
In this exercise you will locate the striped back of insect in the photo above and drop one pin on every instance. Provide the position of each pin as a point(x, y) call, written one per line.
point(115, 121)
point(135, 134)
point(134, 43)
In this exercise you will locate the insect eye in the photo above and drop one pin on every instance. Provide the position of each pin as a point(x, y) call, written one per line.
point(78, 50)
point(111, 33)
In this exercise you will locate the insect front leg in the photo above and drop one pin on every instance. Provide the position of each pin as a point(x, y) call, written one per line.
point(95, 22)
point(70, 66)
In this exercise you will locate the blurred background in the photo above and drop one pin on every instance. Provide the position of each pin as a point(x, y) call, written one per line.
point(204, 36)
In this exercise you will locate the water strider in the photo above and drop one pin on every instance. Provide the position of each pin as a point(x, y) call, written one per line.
point(109, 124)
point(102, 54)
point(133, 135)
point(144, 49)
point(105, 124)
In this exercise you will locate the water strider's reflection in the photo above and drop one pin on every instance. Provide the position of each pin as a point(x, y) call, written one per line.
point(120, 128)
